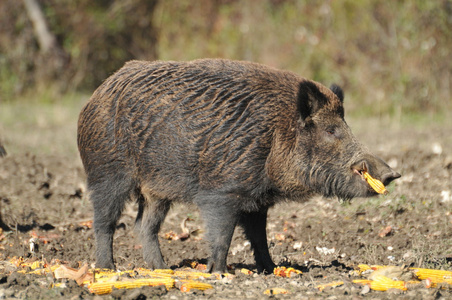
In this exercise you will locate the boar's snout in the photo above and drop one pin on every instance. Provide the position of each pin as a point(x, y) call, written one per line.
point(388, 177)
point(377, 168)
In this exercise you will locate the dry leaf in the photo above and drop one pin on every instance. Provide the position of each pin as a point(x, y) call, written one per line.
point(79, 276)
point(384, 232)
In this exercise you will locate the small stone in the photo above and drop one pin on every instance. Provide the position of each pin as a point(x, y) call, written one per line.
point(365, 290)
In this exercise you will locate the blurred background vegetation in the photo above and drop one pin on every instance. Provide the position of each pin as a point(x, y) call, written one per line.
point(393, 58)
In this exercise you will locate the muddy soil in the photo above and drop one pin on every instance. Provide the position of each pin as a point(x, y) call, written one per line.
point(44, 196)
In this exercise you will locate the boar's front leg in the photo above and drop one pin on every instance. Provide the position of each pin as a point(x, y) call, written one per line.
point(254, 225)
point(151, 214)
point(220, 216)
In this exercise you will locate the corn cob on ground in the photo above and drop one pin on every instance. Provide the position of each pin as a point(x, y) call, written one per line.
point(103, 281)
point(286, 272)
point(189, 285)
point(436, 276)
point(101, 288)
point(246, 271)
point(430, 278)
point(383, 283)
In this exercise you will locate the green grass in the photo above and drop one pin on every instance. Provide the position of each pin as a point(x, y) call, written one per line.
point(36, 124)
point(390, 57)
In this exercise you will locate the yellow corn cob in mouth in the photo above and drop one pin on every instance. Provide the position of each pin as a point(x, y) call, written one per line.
point(376, 184)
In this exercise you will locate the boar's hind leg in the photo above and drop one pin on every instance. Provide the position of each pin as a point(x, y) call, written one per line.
point(220, 218)
point(254, 224)
point(151, 214)
point(108, 198)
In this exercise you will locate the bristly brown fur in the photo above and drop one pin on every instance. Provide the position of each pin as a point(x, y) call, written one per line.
point(232, 137)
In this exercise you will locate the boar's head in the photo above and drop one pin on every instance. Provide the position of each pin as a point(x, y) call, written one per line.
point(321, 155)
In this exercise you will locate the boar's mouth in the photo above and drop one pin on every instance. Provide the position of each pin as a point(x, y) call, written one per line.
point(361, 170)
point(358, 169)
point(373, 184)
point(365, 170)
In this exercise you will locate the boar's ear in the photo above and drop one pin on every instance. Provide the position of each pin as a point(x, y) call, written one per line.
point(338, 91)
point(310, 99)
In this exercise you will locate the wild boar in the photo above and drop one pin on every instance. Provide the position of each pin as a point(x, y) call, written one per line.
point(233, 137)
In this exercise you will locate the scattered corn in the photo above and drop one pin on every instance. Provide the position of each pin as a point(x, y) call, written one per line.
point(189, 285)
point(106, 273)
point(427, 277)
point(17, 261)
point(363, 267)
point(155, 273)
point(246, 271)
point(285, 272)
point(362, 281)
point(102, 282)
point(163, 271)
point(37, 264)
point(436, 276)
point(101, 288)
point(383, 283)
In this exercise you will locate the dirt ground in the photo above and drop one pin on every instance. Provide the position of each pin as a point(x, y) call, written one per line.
point(43, 196)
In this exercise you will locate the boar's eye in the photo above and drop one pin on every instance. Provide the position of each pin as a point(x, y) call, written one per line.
point(334, 132)
point(331, 130)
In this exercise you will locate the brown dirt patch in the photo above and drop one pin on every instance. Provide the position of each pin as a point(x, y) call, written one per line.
point(44, 196)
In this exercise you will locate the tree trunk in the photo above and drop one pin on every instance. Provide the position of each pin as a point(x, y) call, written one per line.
point(46, 39)
point(53, 59)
